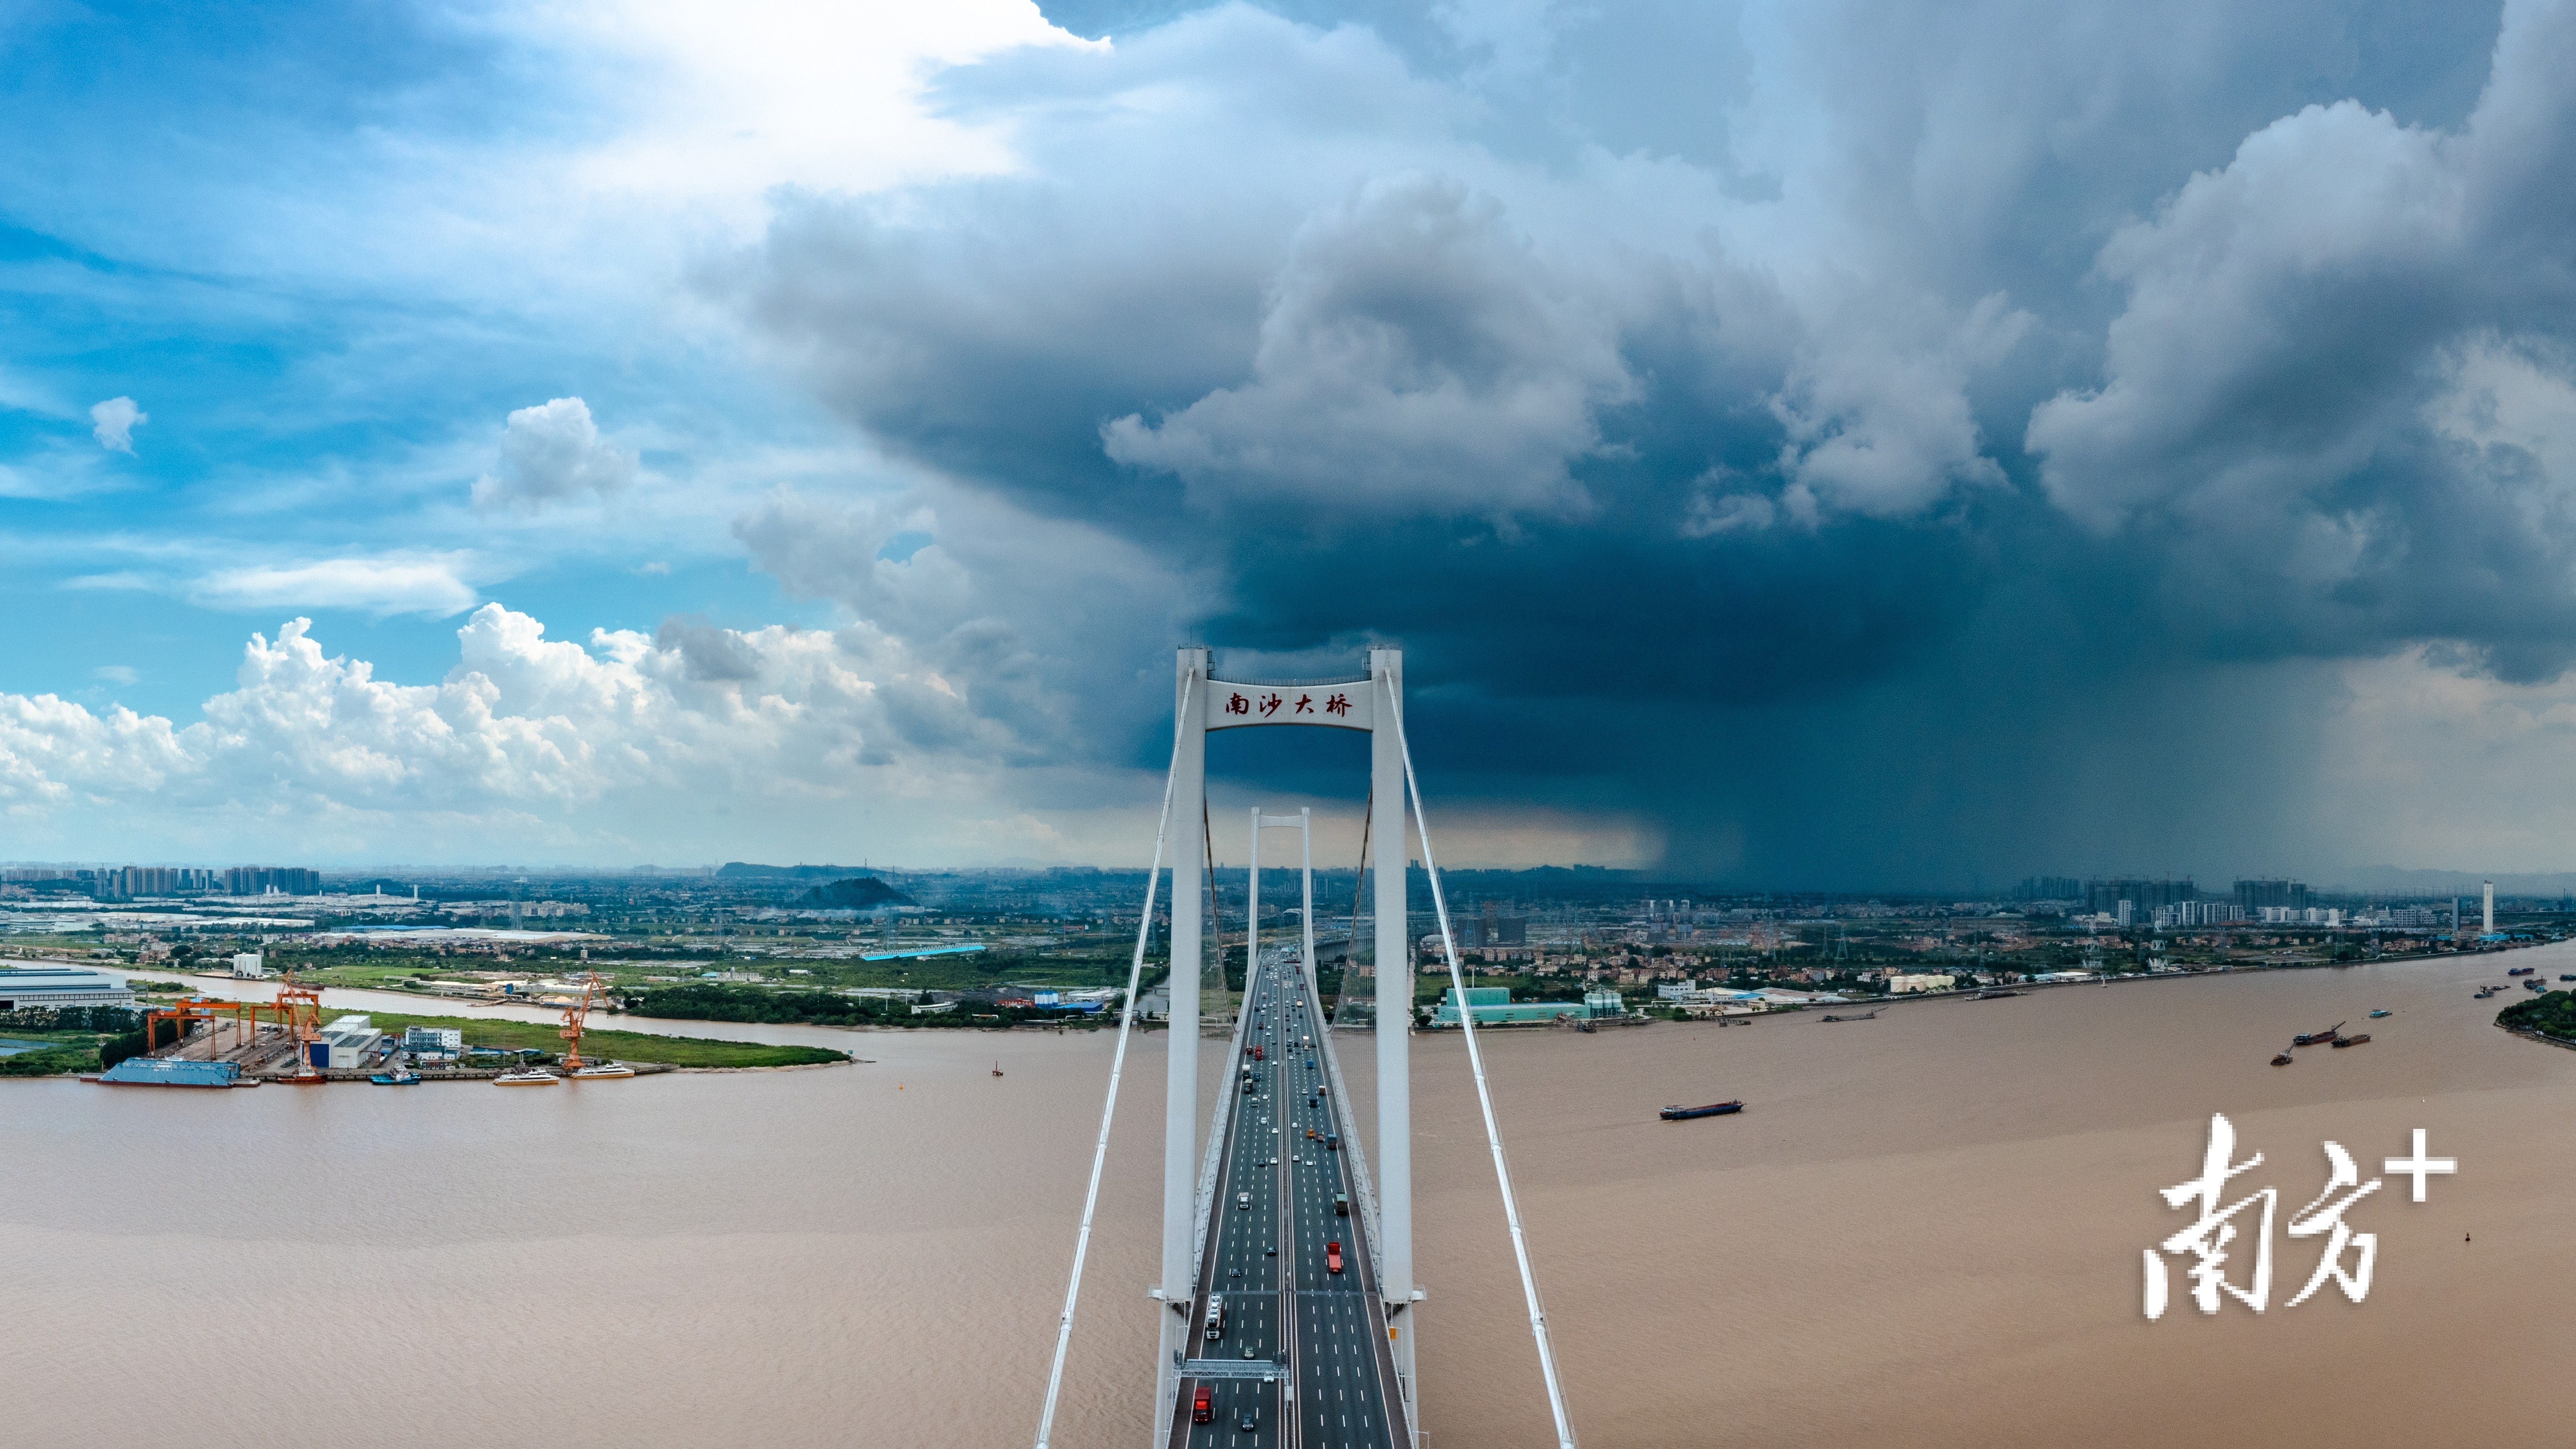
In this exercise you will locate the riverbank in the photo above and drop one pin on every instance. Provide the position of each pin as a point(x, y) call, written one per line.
point(611, 1045)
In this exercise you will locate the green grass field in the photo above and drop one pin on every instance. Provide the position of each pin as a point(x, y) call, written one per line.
point(625, 1046)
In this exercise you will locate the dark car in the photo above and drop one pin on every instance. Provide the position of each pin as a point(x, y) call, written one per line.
point(1248, 1423)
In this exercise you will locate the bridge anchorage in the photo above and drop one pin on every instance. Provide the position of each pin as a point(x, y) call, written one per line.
point(1287, 1295)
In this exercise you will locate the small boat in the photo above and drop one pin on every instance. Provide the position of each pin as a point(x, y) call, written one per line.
point(399, 1077)
point(2345, 1041)
point(1864, 1016)
point(2283, 1060)
point(1713, 1109)
point(997, 1069)
point(2376, 1015)
point(2314, 1037)
point(597, 1070)
point(2567, 976)
point(526, 1077)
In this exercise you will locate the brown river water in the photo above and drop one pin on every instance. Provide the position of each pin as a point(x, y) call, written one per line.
point(1925, 1230)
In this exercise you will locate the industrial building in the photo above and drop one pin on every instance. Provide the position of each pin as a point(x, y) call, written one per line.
point(434, 1043)
point(1494, 1006)
point(347, 1043)
point(23, 988)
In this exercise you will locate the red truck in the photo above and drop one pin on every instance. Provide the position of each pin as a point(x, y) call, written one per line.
point(1332, 1257)
point(1202, 1408)
point(1256, 1054)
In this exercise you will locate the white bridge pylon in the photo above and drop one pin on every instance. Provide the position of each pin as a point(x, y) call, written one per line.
point(1373, 704)
point(1202, 703)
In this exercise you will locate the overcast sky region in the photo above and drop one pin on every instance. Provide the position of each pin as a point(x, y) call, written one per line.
point(1851, 446)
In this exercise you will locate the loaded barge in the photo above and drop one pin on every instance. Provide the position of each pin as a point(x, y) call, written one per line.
point(1713, 1109)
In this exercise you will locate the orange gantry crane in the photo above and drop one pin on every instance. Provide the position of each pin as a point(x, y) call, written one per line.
point(245, 1018)
point(299, 1010)
point(573, 1018)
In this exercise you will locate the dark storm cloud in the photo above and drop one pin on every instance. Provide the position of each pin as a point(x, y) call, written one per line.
point(1901, 446)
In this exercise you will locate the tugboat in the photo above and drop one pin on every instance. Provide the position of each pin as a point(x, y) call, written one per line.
point(2314, 1037)
point(2283, 1060)
point(398, 1077)
point(2345, 1041)
point(1713, 1109)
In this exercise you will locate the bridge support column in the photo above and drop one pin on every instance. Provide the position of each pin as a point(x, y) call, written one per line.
point(1181, 1082)
point(1394, 1016)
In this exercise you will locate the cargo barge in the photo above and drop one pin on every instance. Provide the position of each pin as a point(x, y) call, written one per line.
point(1713, 1109)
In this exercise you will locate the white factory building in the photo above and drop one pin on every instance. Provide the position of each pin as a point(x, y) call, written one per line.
point(350, 1041)
point(25, 987)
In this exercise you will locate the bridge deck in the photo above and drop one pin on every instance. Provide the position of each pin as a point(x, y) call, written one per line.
point(1320, 1335)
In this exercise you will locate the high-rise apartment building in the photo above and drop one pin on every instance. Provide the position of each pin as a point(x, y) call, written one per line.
point(286, 880)
point(2104, 896)
point(2254, 895)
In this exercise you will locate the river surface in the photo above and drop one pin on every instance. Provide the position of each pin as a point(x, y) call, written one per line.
point(1925, 1230)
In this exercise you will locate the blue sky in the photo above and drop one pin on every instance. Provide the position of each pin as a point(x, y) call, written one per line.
point(1872, 445)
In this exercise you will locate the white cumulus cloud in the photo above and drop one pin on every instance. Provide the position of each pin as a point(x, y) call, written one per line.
point(550, 453)
point(630, 746)
point(398, 584)
point(114, 421)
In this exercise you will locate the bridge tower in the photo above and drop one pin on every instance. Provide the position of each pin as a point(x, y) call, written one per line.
point(1373, 705)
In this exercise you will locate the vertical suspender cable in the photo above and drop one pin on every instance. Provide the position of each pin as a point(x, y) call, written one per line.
point(1484, 1095)
point(1350, 948)
point(1109, 1109)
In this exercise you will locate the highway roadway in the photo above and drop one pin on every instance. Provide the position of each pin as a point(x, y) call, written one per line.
point(1274, 1213)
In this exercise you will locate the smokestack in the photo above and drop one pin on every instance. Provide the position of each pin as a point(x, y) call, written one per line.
point(2490, 909)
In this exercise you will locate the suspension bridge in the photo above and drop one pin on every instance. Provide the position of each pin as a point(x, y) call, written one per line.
point(1287, 1296)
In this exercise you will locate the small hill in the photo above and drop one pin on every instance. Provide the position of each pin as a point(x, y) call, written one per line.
point(859, 893)
point(739, 870)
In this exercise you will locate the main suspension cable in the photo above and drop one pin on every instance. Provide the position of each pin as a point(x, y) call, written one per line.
point(1484, 1094)
point(1117, 1065)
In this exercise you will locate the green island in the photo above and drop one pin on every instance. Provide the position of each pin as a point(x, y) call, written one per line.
point(2551, 1014)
